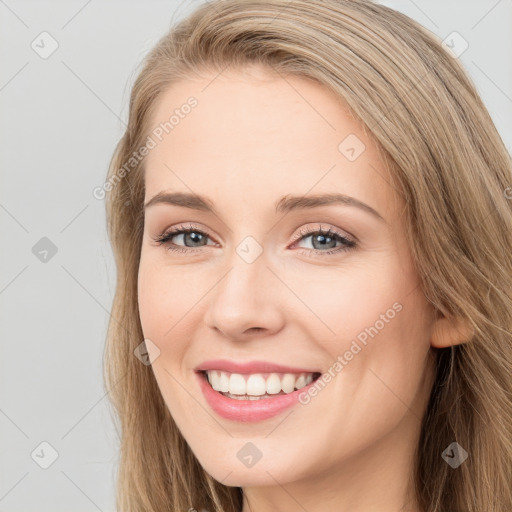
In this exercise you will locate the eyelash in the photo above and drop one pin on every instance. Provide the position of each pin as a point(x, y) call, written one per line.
point(165, 237)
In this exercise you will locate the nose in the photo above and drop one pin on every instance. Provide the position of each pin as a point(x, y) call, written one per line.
point(247, 301)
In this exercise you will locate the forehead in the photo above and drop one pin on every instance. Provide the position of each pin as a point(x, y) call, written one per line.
point(254, 136)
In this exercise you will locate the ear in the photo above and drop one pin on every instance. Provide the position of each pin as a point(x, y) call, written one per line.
point(450, 331)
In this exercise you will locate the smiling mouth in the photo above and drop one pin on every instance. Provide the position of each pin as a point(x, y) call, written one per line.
point(257, 386)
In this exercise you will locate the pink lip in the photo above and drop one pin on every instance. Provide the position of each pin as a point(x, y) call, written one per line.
point(250, 367)
point(247, 410)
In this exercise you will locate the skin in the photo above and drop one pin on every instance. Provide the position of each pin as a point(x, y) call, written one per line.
point(256, 136)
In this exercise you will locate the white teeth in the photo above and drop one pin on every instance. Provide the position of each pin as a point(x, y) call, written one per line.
point(288, 382)
point(301, 382)
point(237, 384)
point(224, 382)
point(273, 384)
point(256, 384)
point(214, 379)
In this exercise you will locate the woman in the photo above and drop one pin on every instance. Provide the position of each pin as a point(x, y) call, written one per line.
point(310, 214)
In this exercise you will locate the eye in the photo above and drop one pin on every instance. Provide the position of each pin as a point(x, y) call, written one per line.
point(322, 239)
point(196, 238)
point(191, 235)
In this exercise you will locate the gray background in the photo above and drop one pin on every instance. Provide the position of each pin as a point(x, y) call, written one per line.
point(61, 118)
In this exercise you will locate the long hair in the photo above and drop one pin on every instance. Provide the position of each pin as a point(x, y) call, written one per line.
point(448, 162)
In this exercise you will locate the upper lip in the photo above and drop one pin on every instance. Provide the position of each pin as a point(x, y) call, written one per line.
point(249, 367)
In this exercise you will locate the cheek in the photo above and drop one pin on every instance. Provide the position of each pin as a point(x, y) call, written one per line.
point(341, 302)
point(371, 317)
point(166, 315)
point(166, 296)
point(152, 302)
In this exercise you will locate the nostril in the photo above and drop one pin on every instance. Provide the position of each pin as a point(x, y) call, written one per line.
point(255, 329)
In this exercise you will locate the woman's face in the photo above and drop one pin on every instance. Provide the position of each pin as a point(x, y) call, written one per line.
point(255, 281)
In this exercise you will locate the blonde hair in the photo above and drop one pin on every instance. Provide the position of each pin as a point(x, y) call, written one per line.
point(451, 167)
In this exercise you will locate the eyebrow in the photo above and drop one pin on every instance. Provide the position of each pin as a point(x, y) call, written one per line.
point(284, 205)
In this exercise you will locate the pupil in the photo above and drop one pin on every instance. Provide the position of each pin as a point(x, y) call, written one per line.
point(324, 240)
point(196, 237)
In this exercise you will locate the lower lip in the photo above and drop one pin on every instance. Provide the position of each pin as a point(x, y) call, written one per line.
point(247, 410)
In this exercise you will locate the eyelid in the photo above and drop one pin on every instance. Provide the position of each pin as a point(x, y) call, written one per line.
point(303, 232)
point(329, 230)
point(180, 228)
